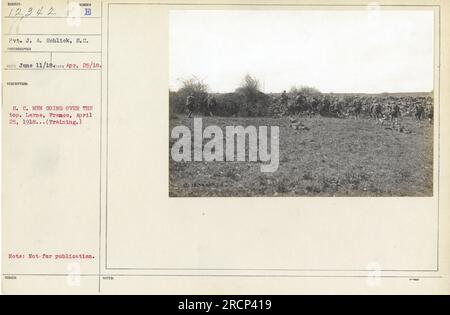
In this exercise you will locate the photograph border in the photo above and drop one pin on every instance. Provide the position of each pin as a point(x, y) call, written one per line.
point(436, 62)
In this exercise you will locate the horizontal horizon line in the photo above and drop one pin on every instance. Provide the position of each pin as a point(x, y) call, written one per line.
point(278, 92)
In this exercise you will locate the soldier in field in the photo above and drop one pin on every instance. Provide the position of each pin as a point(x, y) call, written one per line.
point(395, 112)
point(419, 111)
point(190, 103)
point(284, 101)
point(211, 104)
point(300, 104)
point(429, 112)
point(378, 112)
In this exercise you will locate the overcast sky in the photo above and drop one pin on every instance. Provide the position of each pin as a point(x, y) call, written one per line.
point(367, 51)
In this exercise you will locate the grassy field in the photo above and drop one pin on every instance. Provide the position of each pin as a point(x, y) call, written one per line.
point(335, 157)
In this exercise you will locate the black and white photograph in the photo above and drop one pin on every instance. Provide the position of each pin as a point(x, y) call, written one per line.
point(314, 102)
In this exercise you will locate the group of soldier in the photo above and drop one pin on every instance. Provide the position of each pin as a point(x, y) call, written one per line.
point(331, 105)
point(375, 107)
point(211, 104)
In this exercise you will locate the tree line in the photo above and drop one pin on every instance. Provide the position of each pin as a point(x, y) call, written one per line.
point(246, 101)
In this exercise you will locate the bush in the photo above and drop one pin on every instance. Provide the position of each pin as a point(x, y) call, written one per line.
point(246, 101)
point(191, 86)
point(306, 90)
point(254, 102)
point(228, 104)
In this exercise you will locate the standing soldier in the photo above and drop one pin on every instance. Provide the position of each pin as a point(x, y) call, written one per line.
point(359, 106)
point(395, 113)
point(430, 113)
point(325, 106)
point(314, 105)
point(378, 111)
point(419, 111)
point(300, 103)
point(338, 106)
point(190, 101)
point(373, 109)
point(211, 105)
point(309, 105)
point(284, 100)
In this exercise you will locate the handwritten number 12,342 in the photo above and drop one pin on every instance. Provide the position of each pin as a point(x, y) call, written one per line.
point(28, 12)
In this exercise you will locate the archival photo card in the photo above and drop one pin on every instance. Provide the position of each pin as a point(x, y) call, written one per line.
point(269, 108)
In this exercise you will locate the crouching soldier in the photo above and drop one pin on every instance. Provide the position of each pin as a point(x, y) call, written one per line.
point(190, 102)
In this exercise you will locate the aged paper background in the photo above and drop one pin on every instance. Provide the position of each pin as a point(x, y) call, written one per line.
point(102, 189)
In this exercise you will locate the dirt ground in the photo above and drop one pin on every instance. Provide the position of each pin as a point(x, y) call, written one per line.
point(335, 157)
